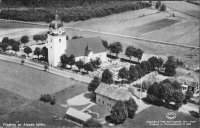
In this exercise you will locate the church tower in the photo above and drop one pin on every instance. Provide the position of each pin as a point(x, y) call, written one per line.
point(57, 42)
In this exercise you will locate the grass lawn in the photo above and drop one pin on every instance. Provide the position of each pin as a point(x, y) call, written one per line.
point(155, 113)
point(30, 83)
point(61, 99)
point(30, 115)
point(101, 110)
point(9, 101)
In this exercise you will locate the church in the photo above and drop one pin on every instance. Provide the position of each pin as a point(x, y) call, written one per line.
point(82, 48)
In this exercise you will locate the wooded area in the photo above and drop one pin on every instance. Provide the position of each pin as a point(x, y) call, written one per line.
point(77, 12)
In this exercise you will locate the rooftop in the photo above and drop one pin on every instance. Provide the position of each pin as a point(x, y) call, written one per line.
point(78, 114)
point(77, 47)
point(113, 92)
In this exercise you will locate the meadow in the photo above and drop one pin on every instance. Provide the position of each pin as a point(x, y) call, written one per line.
point(155, 113)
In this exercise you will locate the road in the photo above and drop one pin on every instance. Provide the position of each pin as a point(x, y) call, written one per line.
point(51, 70)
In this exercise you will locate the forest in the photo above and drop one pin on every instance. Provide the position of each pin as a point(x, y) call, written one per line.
point(86, 11)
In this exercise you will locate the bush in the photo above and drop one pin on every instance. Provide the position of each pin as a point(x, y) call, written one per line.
point(163, 7)
point(48, 98)
point(158, 4)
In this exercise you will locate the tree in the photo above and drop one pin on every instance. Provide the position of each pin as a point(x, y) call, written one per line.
point(188, 95)
point(42, 38)
point(116, 48)
point(71, 60)
point(15, 47)
point(170, 66)
point(160, 61)
point(88, 67)
point(64, 60)
point(37, 51)
point(5, 40)
point(176, 85)
point(139, 70)
point(131, 107)
point(148, 64)
point(24, 39)
point(36, 38)
point(130, 51)
point(91, 123)
point(133, 73)
point(12, 42)
point(44, 52)
point(107, 77)
point(22, 62)
point(97, 62)
point(158, 4)
point(105, 43)
point(143, 66)
point(118, 113)
point(163, 7)
point(154, 63)
point(178, 98)
point(138, 54)
point(79, 64)
point(94, 84)
point(27, 50)
point(123, 73)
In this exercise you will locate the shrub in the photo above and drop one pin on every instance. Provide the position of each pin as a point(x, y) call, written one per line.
point(163, 7)
point(158, 4)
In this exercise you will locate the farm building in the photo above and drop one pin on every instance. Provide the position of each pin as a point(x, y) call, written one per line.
point(108, 95)
point(82, 48)
point(188, 83)
point(77, 116)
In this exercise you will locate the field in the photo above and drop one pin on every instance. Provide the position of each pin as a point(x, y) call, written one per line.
point(155, 113)
point(184, 7)
point(21, 88)
point(30, 83)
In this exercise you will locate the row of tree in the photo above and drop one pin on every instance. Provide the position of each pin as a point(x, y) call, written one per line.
point(70, 60)
point(39, 38)
point(79, 13)
point(166, 92)
point(130, 52)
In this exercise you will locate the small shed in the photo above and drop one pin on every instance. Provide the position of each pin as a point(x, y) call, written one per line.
point(77, 116)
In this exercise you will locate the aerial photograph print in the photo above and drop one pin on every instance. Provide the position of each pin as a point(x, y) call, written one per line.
point(99, 63)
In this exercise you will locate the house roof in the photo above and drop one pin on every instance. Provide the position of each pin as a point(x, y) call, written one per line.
point(78, 114)
point(113, 92)
point(77, 47)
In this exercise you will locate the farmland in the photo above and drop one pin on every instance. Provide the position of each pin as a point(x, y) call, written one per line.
point(155, 113)
point(30, 83)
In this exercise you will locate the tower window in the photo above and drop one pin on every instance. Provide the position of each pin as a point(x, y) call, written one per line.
point(59, 40)
point(51, 40)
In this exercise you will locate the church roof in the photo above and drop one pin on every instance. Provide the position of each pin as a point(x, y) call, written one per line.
point(113, 92)
point(77, 47)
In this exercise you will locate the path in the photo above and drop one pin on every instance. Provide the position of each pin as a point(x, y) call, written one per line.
point(51, 70)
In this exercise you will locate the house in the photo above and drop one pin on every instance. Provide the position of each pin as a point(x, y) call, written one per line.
point(82, 48)
point(189, 82)
point(77, 116)
point(108, 95)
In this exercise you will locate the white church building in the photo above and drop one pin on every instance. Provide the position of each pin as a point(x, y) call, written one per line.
point(82, 48)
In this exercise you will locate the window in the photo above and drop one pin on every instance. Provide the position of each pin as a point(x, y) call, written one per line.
point(59, 40)
point(51, 40)
point(99, 100)
point(103, 102)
